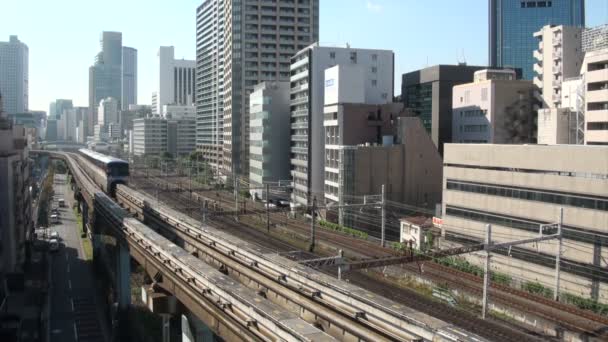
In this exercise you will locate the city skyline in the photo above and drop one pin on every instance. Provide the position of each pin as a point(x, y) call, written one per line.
point(402, 21)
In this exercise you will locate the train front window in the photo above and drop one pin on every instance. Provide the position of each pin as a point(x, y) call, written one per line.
point(119, 170)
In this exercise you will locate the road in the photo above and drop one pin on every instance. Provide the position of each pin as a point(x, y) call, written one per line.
point(74, 313)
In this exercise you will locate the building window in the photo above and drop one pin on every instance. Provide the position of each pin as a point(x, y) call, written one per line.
point(374, 83)
point(374, 57)
point(374, 70)
point(353, 57)
point(332, 55)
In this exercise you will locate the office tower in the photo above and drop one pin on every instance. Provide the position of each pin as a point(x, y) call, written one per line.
point(495, 108)
point(269, 134)
point(518, 188)
point(512, 24)
point(105, 75)
point(308, 82)
point(595, 85)
point(129, 77)
point(250, 42)
point(428, 94)
point(57, 107)
point(149, 136)
point(175, 81)
point(14, 75)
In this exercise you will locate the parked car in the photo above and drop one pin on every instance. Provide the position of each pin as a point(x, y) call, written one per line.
point(55, 219)
point(54, 235)
point(53, 245)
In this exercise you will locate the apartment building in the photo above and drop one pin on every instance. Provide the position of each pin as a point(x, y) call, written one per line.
point(16, 223)
point(269, 125)
point(558, 57)
point(517, 188)
point(495, 108)
point(595, 85)
point(240, 44)
point(375, 67)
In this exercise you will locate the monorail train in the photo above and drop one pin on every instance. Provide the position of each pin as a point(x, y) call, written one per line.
point(105, 171)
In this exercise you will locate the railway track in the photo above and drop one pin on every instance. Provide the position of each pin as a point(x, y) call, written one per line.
point(493, 330)
point(568, 316)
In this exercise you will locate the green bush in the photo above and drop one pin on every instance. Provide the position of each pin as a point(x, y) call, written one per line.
point(465, 266)
point(537, 288)
point(346, 230)
point(586, 304)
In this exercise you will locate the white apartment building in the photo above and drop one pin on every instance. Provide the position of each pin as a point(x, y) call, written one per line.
point(495, 108)
point(14, 75)
point(260, 37)
point(559, 56)
point(269, 134)
point(108, 111)
point(129, 77)
point(307, 101)
point(516, 188)
point(176, 81)
point(595, 85)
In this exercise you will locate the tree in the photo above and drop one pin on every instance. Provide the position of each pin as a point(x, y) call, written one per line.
point(166, 155)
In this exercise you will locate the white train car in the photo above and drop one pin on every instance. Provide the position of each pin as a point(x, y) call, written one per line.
point(105, 171)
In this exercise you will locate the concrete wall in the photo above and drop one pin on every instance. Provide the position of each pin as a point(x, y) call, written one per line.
point(573, 170)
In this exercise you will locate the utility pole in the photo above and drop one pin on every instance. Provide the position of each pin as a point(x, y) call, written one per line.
point(383, 224)
point(236, 199)
point(486, 273)
point(267, 208)
point(311, 247)
point(558, 255)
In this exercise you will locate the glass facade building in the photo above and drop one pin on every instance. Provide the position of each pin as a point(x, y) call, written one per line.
point(513, 23)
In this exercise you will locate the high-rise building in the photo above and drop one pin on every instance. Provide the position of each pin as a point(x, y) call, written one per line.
point(376, 70)
point(512, 24)
point(595, 85)
point(149, 136)
point(175, 80)
point(105, 75)
point(428, 94)
point(129, 77)
point(14, 75)
point(250, 42)
point(495, 108)
point(210, 80)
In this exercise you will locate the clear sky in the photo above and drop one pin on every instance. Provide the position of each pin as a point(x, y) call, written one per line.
point(63, 35)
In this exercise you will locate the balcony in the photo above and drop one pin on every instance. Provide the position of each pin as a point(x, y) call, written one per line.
point(600, 115)
point(299, 63)
point(557, 69)
point(596, 136)
point(299, 150)
point(538, 55)
point(299, 88)
point(557, 54)
point(596, 76)
point(538, 96)
point(299, 100)
point(538, 69)
point(538, 81)
point(557, 83)
point(299, 162)
point(557, 98)
point(299, 76)
point(299, 113)
point(557, 41)
point(299, 138)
